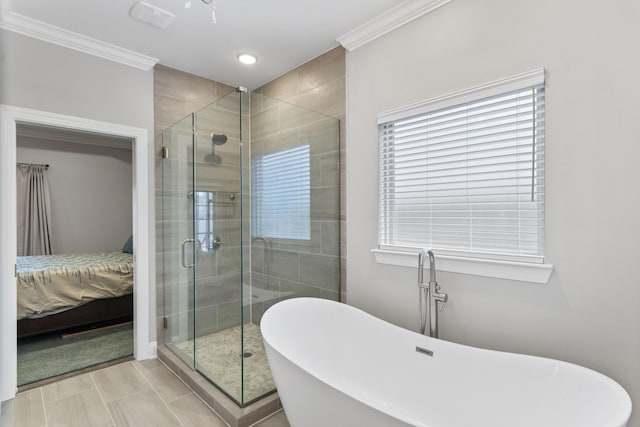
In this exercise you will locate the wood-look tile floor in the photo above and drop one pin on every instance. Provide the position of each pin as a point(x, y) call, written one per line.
point(133, 394)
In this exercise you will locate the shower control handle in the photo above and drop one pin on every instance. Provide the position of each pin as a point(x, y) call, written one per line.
point(217, 242)
point(184, 253)
point(441, 298)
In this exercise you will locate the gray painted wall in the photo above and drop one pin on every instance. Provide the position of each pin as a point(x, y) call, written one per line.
point(43, 76)
point(91, 198)
point(47, 77)
point(588, 312)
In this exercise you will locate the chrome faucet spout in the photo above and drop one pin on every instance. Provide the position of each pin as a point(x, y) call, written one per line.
point(425, 290)
point(432, 266)
point(421, 256)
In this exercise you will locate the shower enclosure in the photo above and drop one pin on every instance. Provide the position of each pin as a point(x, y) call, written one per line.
point(250, 217)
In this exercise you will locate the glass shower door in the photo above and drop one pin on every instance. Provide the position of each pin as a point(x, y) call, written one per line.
point(179, 239)
point(218, 229)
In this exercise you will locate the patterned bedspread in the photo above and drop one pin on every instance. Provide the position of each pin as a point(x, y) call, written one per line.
point(53, 282)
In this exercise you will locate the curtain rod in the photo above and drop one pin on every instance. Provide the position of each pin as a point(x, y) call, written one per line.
point(32, 164)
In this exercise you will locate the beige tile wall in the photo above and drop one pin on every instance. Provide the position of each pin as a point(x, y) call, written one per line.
point(319, 85)
point(176, 95)
point(298, 267)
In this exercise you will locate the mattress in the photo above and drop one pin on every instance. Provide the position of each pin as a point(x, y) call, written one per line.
point(51, 283)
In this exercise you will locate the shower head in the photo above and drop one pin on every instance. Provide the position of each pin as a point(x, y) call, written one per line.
point(218, 138)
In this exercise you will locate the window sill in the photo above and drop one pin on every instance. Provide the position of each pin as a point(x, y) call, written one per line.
point(522, 271)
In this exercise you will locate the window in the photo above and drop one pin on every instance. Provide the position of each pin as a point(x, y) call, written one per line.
point(204, 219)
point(281, 186)
point(464, 175)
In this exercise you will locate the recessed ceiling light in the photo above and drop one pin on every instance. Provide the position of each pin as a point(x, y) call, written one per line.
point(247, 58)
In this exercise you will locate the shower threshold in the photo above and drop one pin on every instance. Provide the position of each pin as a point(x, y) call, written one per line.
point(219, 401)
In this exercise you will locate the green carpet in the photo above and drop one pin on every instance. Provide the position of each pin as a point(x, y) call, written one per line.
point(48, 356)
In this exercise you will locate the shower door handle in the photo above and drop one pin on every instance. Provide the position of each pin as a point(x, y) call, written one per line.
point(184, 253)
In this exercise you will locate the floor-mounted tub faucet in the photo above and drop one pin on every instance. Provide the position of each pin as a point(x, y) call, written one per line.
point(430, 295)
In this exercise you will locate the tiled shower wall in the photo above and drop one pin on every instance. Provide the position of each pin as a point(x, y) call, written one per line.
point(287, 267)
point(318, 85)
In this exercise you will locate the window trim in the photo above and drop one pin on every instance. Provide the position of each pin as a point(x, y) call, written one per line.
point(499, 269)
point(498, 266)
point(518, 81)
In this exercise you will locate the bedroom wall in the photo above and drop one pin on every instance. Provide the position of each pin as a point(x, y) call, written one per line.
point(588, 312)
point(91, 197)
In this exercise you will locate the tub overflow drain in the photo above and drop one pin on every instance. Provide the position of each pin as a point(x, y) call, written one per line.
point(424, 351)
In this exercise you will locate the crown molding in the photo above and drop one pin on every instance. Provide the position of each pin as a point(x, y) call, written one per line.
point(50, 33)
point(394, 18)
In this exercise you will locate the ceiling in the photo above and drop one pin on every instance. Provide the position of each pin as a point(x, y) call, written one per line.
point(282, 33)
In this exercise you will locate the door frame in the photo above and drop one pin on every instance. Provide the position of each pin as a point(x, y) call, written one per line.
point(10, 116)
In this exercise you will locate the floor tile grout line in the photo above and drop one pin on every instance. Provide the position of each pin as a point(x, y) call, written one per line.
point(267, 417)
point(180, 379)
point(160, 397)
point(126, 394)
point(106, 406)
point(44, 407)
point(136, 367)
point(57, 399)
point(194, 393)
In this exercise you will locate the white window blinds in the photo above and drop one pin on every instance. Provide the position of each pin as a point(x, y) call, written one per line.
point(281, 187)
point(467, 178)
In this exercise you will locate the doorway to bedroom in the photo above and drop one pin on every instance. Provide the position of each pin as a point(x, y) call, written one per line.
point(75, 251)
point(143, 228)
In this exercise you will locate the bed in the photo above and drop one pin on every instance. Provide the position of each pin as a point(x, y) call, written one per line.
point(64, 291)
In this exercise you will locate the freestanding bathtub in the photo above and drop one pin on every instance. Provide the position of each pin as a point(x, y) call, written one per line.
point(337, 366)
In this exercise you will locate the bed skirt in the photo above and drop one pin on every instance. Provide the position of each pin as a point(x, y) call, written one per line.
point(96, 311)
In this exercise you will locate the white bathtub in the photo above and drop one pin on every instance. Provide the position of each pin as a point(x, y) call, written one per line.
point(335, 365)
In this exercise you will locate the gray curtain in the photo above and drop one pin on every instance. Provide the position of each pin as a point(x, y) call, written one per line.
point(34, 210)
